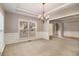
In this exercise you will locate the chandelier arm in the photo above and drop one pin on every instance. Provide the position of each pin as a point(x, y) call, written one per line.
point(43, 18)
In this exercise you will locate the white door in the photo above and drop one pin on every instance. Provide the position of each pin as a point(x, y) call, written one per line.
point(27, 29)
point(32, 30)
point(23, 29)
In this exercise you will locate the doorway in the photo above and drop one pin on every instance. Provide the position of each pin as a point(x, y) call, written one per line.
point(57, 28)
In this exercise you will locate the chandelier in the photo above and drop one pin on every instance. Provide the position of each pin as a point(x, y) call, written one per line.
point(43, 17)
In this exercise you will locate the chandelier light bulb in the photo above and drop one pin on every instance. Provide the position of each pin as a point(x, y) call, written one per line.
point(39, 16)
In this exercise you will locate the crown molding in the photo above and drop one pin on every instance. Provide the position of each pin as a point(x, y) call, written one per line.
point(26, 12)
point(58, 8)
point(30, 13)
point(72, 14)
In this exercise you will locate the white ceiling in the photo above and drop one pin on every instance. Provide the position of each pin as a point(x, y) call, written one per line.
point(33, 9)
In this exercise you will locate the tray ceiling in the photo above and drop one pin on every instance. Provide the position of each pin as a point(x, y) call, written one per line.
point(33, 9)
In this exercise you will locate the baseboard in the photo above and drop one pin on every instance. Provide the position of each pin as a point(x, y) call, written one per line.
point(71, 37)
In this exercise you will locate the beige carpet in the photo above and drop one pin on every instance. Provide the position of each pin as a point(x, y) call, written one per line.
point(54, 47)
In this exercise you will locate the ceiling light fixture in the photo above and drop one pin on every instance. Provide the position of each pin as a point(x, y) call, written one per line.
point(43, 17)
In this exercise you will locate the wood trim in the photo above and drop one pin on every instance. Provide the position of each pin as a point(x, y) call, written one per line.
point(71, 37)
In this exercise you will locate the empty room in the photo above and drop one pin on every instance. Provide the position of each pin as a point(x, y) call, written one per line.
point(39, 29)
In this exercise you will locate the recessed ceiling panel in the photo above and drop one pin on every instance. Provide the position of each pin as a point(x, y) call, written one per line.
point(30, 8)
point(37, 8)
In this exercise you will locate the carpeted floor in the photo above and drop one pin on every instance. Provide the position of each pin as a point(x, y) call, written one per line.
point(53, 47)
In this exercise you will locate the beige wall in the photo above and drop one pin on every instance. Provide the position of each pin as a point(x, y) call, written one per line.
point(11, 22)
point(71, 28)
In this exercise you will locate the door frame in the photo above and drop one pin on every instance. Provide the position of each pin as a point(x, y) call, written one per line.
point(61, 28)
point(28, 27)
